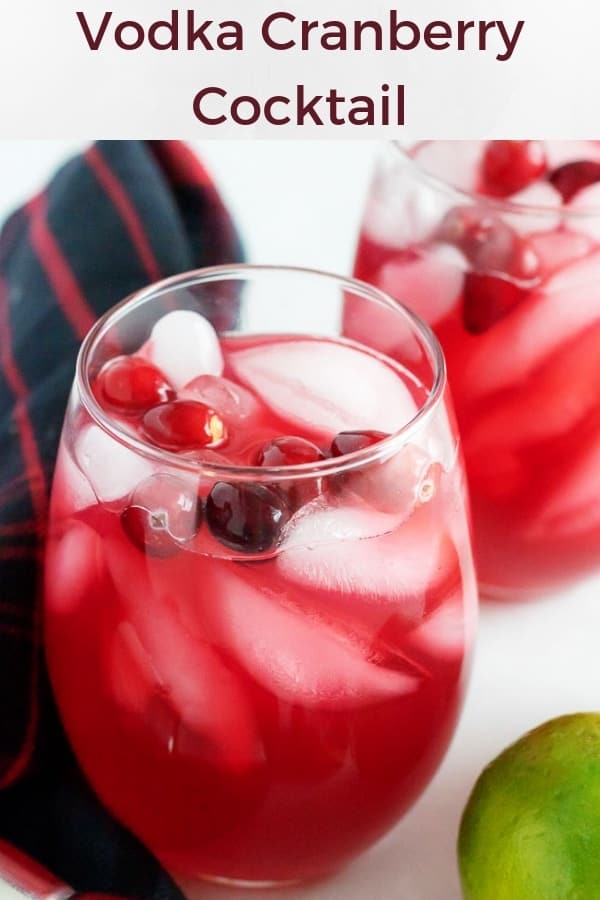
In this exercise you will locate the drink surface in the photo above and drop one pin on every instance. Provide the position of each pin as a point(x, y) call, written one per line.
point(258, 677)
point(501, 256)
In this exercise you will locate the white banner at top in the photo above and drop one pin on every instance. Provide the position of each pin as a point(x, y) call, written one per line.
point(302, 68)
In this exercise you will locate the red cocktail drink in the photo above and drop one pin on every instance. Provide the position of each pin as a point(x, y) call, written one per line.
point(260, 597)
point(497, 246)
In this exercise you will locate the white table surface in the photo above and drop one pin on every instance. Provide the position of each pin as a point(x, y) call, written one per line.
point(299, 203)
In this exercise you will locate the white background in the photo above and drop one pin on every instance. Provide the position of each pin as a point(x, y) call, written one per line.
point(300, 202)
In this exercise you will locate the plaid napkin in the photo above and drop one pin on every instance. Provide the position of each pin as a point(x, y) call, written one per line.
point(119, 216)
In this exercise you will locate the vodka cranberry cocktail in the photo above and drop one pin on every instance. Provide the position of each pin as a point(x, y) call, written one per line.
point(497, 246)
point(260, 598)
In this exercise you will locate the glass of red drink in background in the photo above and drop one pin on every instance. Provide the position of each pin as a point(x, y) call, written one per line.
point(497, 246)
point(260, 599)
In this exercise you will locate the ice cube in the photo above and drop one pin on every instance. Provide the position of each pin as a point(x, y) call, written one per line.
point(72, 491)
point(234, 404)
point(558, 153)
point(398, 484)
point(74, 564)
point(539, 194)
point(183, 344)
point(298, 659)
point(112, 469)
point(430, 286)
point(442, 634)
point(557, 396)
point(556, 249)
point(320, 522)
point(405, 207)
point(555, 313)
point(131, 674)
point(361, 562)
point(323, 387)
point(573, 507)
point(457, 164)
point(402, 213)
point(588, 200)
point(205, 711)
point(153, 657)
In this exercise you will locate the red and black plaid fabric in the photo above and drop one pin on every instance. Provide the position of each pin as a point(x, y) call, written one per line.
point(122, 214)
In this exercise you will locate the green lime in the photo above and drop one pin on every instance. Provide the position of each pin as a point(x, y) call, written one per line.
point(531, 828)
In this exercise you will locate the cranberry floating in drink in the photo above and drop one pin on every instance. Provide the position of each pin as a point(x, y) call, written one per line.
point(497, 247)
point(260, 600)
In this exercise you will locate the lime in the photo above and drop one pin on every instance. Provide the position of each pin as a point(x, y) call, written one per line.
point(531, 828)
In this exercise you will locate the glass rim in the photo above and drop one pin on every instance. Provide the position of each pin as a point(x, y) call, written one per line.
point(496, 204)
point(383, 449)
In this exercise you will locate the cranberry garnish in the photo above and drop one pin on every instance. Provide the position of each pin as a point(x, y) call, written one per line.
point(488, 243)
point(131, 384)
point(511, 166)
point(351, 441)
point(293, 451)
point(494, 250)
point(487, 299)
point(246, 517)
point(184, 425)
point(572, 177)
point(163, 514)
point(288, 451)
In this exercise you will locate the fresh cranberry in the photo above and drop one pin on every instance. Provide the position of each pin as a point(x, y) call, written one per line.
point(288, 451)
point(351, 441)
point(572, 177)
point(184, 425)
point(487, 299)
point(130, 384)
point(511, 166)
point(293, 451)
point(500, 259)
point(246, 517)
point(488, 243)
point(163, 514)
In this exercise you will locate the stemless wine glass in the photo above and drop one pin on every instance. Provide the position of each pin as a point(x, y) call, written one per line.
point(497, 247)
point(259, 659)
